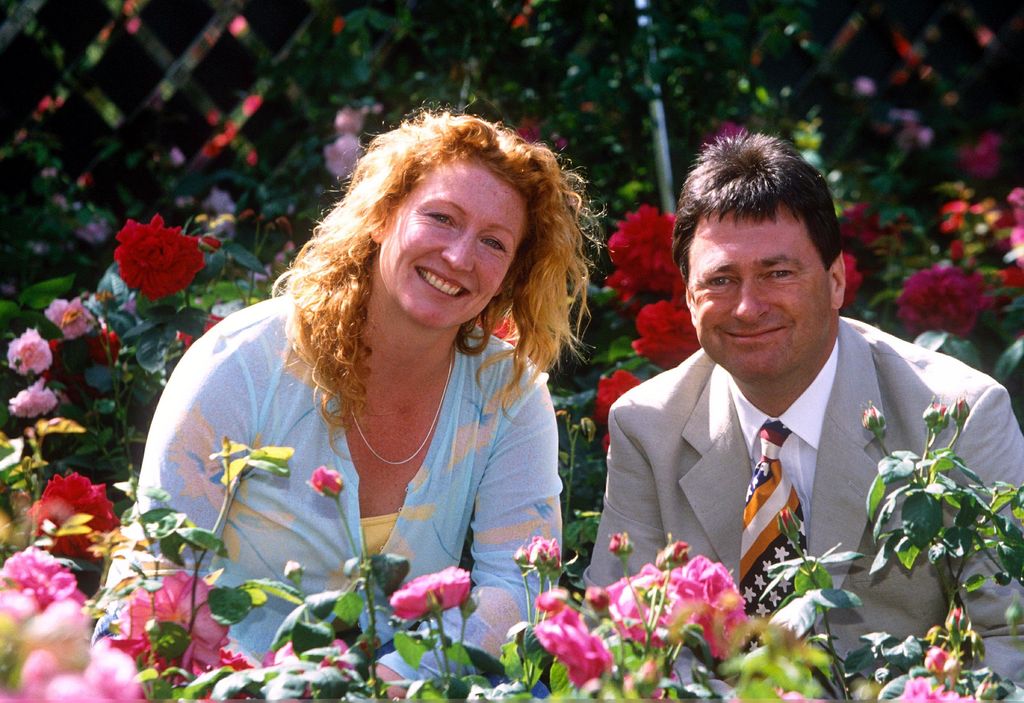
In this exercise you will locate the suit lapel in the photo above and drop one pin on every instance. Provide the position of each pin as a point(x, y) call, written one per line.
point(844, 468)
point(717, 482)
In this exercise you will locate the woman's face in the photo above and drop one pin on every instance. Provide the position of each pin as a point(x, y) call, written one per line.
point(446, 251)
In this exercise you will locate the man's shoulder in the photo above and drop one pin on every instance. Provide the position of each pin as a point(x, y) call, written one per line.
point(896, 358)
point(679, 388)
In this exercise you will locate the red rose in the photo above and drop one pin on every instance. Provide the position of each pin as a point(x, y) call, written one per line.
point(952, 216)
point(666, 333)
point(1012, 276)
point(942, 298)
point(104, 347)
point(641, 249)
point(64, 497)
point(609, 388)
point(156, 259)
point(854, 278)
point(859, 225)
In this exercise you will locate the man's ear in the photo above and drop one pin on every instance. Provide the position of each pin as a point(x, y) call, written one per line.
point(837, 281)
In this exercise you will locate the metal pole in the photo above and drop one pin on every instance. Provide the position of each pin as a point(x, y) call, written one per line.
point(662, 157)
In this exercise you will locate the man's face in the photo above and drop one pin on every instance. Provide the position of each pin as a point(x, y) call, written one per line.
point(764, 306)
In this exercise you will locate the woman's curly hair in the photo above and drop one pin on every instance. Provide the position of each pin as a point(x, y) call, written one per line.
point(542, 302)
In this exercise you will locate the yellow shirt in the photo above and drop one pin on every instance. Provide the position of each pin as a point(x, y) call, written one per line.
point(376, 531)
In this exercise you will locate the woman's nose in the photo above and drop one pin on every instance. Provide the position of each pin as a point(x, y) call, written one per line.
point(459, 251)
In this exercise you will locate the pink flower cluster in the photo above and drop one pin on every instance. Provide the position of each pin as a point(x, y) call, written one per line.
point(340, 156)
point(541, 554)
point(41, 598)
point(29, 353)
point(701, 592)
point(431, 593)
point(174, 603)
point(919, 689)
point(71, 316)
point(942, 298)
point(564, 634)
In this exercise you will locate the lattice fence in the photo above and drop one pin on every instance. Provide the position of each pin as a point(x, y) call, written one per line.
point(184, 73)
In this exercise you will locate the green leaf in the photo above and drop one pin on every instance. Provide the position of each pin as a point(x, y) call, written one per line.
point(897, 466)
point(561, 686)
point(836, 598)
point(875, 495)
point(39, 295)
point(244, 257)
point(510, 661)
point(204, 539)
point(170, 640)
point(922, 518)
point(285, 686)
point(284, 630)
point(840, 557)
point(151, 350)
point(882, 557)
point(811, 576)
point(1009, 360)
point(156, 494)
point(284, 591)
point(322, 604)
point(484, 662)
point(389, 570)
point(907, 552)
point(160, 522)
point(932, 339)
point(348, 608)
point(412, 649)
point(248, 681)
point(308, 635)
point(975, 582)
point(200, 686)
point(798, 614)
point(8, 309)
point(229, 605)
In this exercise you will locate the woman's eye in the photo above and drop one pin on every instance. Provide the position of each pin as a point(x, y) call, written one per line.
point(441, 217)
point(495, 244)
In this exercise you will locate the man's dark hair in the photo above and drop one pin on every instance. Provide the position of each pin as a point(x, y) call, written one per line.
point(751, 176)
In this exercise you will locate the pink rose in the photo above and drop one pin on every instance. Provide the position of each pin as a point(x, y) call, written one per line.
point(854, 279)
point(29, 353)
point(39, 575)
point(173, 603)
point(552, 601)
point(920, 689)
point(628, 615)
point(340, 156)
point(703, 592)
point(942, 298)
point(71, 316)
point(431, 593)
point(981, 159)
point(584, 655)
point(326, 482)
point(543, 554)
point(111, 674)
point(34, 401)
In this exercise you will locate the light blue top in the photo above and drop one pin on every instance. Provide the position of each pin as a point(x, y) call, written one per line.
point(487, 469)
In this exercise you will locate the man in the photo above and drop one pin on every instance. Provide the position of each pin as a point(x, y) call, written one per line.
point(758, 245)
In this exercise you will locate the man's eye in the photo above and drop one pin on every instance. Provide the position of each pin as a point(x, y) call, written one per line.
point(781, 273)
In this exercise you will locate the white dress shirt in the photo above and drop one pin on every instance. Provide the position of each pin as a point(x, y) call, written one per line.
point(804, 417)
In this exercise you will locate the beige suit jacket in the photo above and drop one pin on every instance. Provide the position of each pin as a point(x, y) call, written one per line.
point(678, 465)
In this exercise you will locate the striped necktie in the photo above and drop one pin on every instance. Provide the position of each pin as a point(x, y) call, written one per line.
point(762, 543)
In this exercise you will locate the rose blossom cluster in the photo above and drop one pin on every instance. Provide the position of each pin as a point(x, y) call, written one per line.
point(942, 298)
point(431, 593)
point(563, 633)
point(73, 495)
point(157, 260)
point(340, 156)
point(641, 250)
point(44, 624)
point(30, 355)
point(666, 334)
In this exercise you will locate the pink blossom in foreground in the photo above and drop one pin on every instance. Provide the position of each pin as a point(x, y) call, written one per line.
point(33, 401)
point(431, 593)
point(920, 689)
point(173, 604)
point(628, 615)
point(37, 574)
point(703, 592)
point(29, 353)
point(71, 316)
point(584, 655)
point(326, 482)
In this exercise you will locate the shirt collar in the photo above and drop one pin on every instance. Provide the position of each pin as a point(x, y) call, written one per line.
point(804, 417)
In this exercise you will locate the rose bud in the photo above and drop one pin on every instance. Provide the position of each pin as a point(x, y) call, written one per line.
point(552, 601)
point(598, 599)
point(326, 482)
point(675, 554)
point(789, 525)
point(874, 422)
point(619, 544)
point(959, 412)
point(522, 560)
point(209, 243)
point(936, 417)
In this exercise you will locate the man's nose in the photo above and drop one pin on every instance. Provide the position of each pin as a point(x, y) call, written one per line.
point(752, 302)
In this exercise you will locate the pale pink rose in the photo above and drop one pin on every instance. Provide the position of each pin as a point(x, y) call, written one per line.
point(29, 353)
point(219, 202)
point(629, 616)
point(864, 87)
point(39, 575)
point(16, 605)
point(703, 592)
point(173, 603)
point(95, 232)
point(34, 401)
point(176, 156)
point(41, 666)
point(448, 588)
point(349, 120)
point(111, 674)
point(340, 156)
point(71, 316)
point(326, 482)
point(584, 654)
point(920, 689)
point(59, 629)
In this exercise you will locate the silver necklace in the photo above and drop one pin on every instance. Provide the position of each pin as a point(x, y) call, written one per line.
point(430, 430)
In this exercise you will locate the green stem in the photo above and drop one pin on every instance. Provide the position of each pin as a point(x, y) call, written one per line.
point(444, 648)
point(839, 672)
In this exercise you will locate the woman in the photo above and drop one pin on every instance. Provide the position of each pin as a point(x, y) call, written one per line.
point(377, 358)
